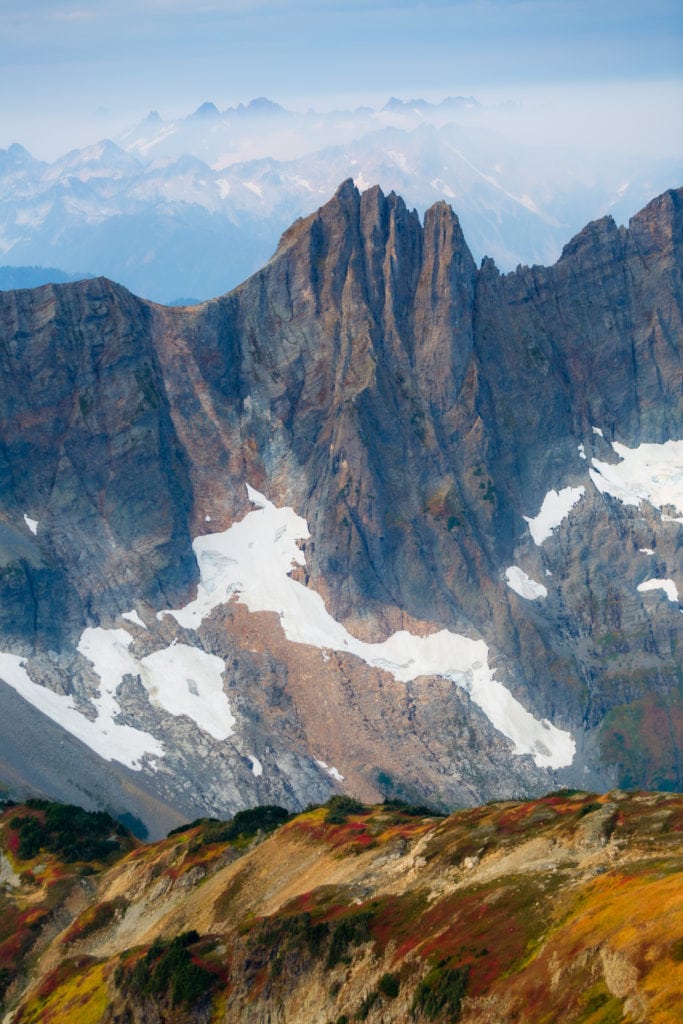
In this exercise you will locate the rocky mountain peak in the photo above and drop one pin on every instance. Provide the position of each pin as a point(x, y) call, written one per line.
point(485, 460)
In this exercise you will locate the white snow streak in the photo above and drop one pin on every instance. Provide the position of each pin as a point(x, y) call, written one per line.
point(668, 586)
point(332, 772)
point(252, 560)
point(110, 740)
point(132, 616)
point(256, 766)
point(32, 524)
point(650, 472)
point(556, 506)
point(523, 585)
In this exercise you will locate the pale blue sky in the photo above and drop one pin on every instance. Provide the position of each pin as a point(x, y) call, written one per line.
point(69, 66)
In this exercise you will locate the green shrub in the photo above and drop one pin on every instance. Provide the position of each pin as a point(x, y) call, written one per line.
point(6, 979)
point(339, 808)
point(389, 985)
point(291, 932)
point(351, 931)
point(264, 818)
point(440, 994)
point(168, 970)
point(414, 810)
point(67, 831)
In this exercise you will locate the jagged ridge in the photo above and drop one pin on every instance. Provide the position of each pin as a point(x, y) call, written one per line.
point(413, 409)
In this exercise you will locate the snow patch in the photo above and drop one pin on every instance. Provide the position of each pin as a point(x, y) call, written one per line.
point(582, 452)
point(185, 680)
point(523, 585)
point(650, 472)
point(32, 524)
point(106, 737)
point(596, 430)
point(668, 586)
point(332, 772)
point(256, 766)
point(179, 679)
point(252, 561)
point(132, 616)
point(646, 551)
point(556, 506)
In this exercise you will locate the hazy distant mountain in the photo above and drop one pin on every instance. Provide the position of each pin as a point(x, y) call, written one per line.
point(32, 277)
point(194, 205)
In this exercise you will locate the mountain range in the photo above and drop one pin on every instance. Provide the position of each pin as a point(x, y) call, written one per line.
point(376, 521)
point(187, 208)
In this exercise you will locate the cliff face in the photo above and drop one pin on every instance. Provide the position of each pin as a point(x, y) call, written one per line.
point(417, 413)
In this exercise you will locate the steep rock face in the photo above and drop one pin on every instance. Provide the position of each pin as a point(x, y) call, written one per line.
point(413, 410)
point(88, 452)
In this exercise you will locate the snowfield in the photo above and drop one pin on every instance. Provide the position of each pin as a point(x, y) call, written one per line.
point(523, 585)
point(555, 508)
point(650, 472)
point(252, 561)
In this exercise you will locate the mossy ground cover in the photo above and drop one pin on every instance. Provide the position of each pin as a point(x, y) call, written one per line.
point(356, 831)
point(76, 992)
point(93, 919)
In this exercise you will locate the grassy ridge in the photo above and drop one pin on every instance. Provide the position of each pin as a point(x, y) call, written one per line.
point(567, 908)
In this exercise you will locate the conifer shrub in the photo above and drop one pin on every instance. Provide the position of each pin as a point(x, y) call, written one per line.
point(67, 831)
point(589, 808)
point(441, 992)
point(351, 931)
point(389, 985)
point(413, 810)
point(245, 824)
point(168, 971)
point(366, 1005)
point(339, 807)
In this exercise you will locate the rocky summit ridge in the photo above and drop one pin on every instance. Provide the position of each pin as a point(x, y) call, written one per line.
point(377, 520)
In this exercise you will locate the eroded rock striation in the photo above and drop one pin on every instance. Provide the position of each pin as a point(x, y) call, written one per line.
point(417, 413)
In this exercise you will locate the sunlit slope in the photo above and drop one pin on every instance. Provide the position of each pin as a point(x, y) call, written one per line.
point(566, 908)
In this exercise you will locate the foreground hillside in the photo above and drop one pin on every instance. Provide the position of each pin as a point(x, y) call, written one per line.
point(568, 907)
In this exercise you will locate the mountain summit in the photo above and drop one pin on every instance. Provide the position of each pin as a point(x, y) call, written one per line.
point(376, 520)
